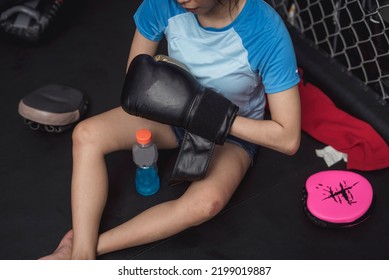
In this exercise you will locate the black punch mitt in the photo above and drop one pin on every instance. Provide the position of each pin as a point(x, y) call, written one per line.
point(29, 20)
point(53, 108)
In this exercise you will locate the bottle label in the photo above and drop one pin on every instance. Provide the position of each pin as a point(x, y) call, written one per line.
point(146, 155)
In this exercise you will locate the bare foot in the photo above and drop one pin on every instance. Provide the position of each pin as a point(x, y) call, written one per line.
point(64, 249)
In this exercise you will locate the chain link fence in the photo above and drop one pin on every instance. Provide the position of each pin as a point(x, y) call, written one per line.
point(354, 32)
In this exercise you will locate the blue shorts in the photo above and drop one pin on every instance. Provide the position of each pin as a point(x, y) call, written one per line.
point(250, 148)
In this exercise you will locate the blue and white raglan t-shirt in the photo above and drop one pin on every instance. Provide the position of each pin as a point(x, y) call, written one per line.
point(242, 61)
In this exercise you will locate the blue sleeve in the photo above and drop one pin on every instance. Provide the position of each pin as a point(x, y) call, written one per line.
point(150, 20)
point(280, 72)
point(271, 53)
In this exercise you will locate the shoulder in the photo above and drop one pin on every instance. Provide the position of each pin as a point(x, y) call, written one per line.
point(262, 18)
point(152, 17)
point(260, 26)
point(261, 29)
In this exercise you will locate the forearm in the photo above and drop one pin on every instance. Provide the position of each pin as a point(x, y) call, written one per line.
point(267, 133)
point(282, 132)
point(141, 45)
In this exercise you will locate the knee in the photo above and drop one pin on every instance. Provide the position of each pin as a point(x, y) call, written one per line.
point(204, 209)
point(84, 134)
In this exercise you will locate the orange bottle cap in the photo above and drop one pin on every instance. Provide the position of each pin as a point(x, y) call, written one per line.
point(143, 136)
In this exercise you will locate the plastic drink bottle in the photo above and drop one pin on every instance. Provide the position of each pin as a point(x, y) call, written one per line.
point(145, 156)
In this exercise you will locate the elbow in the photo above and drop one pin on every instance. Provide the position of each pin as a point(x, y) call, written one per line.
point(292, 149)
point(292, 145)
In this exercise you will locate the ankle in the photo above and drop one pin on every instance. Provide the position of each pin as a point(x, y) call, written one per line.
point(83, 256)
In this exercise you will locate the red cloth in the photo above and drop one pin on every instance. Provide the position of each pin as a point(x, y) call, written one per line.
point(365, 148)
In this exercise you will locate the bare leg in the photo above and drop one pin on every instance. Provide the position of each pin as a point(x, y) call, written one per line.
point(92, 140)
point(113, 131)
point(203, 200)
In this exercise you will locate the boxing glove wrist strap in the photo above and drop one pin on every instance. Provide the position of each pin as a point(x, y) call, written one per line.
point(213, 116)
point(193, 159)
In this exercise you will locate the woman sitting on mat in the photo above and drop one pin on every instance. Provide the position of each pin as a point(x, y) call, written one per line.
point(240, 48)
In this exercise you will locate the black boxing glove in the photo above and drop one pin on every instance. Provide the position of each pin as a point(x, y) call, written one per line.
point(163, 91)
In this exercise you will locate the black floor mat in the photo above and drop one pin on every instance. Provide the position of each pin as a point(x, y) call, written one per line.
point(264, 220)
